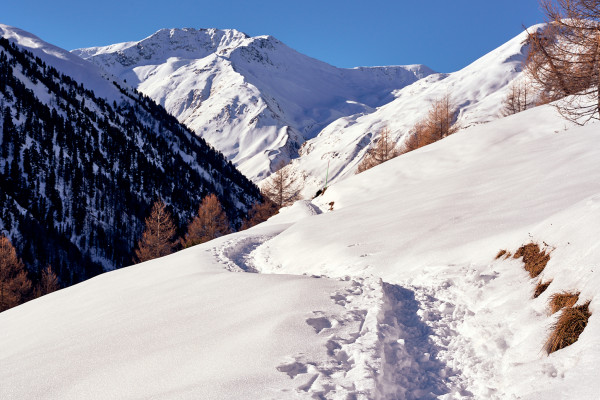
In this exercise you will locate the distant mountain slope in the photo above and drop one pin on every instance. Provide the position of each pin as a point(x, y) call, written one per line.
point(79, 170)
point(253, 98)
point(477, 90)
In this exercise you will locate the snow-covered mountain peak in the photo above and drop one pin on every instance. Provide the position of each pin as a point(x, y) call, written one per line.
point(254, 98)
point(182, 43)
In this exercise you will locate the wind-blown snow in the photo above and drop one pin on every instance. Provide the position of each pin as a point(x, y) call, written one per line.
point(414, 305)
point(253, 98)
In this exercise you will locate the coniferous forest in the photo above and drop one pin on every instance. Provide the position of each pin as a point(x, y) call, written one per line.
point(78, 174)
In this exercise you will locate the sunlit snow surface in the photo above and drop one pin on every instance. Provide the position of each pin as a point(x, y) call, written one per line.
point(395, 294)
point(415, 305)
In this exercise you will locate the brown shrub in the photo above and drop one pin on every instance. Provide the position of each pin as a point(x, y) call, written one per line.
point(567, 329)
point(561, 300)
point(540, 288)
point(534, 258)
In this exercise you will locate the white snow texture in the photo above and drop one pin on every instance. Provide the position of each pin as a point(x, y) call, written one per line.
point(394, 294)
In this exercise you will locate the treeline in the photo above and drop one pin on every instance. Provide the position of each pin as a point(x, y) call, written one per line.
point(160, 236)
point(79, 175)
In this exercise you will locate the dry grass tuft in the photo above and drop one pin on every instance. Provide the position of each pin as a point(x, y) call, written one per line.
point(561, 300)
point(502, 253)
point(567, 329)
point(535, 259)
point(540, 288)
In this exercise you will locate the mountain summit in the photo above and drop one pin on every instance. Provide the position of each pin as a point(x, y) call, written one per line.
point(253, 98)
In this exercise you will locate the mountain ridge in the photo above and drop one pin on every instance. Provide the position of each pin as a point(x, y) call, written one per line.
point(253, 98)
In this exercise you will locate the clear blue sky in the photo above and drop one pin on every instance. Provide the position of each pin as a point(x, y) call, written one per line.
point(446, 35)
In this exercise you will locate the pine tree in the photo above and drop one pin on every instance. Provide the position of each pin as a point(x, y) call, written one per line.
point(210, 223)
point(157, 238)
point(14, 284)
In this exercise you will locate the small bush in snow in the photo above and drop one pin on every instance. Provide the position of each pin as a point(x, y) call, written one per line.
point(569, 326)
point(540, 288)
point(561, 300)
point(534, 258)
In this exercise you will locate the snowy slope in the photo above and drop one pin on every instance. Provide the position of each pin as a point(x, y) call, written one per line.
point(92, 77)
point(253, 98)
point(415, 305)
point(477, 90)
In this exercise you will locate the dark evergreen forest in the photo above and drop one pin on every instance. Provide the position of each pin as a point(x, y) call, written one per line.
point(78, 175)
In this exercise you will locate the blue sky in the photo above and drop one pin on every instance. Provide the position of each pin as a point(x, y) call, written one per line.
point(443, 34)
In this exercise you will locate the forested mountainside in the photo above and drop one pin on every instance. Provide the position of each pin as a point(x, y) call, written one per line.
point(78, 174)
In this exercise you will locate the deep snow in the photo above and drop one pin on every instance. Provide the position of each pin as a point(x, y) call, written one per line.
point(413, 304)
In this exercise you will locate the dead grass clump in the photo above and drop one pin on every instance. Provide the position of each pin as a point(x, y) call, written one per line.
point(567, 329)
point(503, 253)
point(561, 300)
point(540, 288)
point(535, 259)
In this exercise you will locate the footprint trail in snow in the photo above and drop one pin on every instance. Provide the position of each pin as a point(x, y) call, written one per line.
point(388, 342)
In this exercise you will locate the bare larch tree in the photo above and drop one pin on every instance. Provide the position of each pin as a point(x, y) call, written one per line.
point(385, 149)
point(564, 57)
point(14, 284)
point(157, 238)
point(282, 188)
point(210, 223)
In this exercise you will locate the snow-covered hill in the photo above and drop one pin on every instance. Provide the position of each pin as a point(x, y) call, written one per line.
point(253, 98)
point(395, 294)
point(477, 91)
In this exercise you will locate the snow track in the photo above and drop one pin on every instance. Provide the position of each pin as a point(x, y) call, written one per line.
point(389, 342)
point(235, 254)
